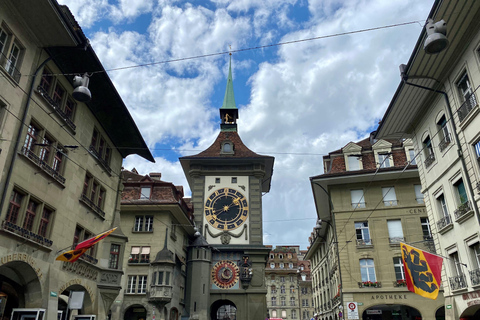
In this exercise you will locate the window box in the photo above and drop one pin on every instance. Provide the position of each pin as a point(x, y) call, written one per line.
point(444, 224)
point(400, 283)
point(371, 284)
point(463, 212)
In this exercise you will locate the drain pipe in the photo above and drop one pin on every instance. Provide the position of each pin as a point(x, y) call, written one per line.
point(455, 135)
point(20, 132)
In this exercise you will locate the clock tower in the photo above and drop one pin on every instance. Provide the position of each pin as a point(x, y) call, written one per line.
point(226, 267)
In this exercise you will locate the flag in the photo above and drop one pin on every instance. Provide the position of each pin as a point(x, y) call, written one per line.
point(86, 244)
point(82, 247)
point(423, 271)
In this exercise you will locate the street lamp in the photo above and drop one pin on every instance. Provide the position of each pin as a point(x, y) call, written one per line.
point(436, 40)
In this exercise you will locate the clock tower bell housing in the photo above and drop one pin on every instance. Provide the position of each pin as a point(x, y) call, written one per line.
point(227, 182)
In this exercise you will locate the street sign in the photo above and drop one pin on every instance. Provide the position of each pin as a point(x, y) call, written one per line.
point(53, 294)
point(352, 310)
point(449, 306)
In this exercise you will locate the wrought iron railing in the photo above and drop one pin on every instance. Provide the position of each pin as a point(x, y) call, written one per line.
point(43, 165)
point(92, 205)
point(358, 205)
point(463, 209)
point(429, 160)
point(57, 108)
point(99, 158)
point(390, 203)
point(475, 277)
point(458, 282)
point(467, 106)
point(363, 242)
point(443, 222)
point(396, 239)
point(25, 233)
point(445, 142)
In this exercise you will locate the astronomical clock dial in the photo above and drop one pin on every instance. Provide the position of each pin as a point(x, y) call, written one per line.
point(226, 209)
point(225, 274)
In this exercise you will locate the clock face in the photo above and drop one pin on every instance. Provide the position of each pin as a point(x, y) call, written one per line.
point(225, 274)
point(226, 209)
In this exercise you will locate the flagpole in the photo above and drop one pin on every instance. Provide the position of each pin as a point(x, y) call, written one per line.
point(464, 264)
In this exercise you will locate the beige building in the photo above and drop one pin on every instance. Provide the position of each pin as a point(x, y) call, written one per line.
point(436, 105)
point(368, 201)
point(61, 161)
point(158, 222)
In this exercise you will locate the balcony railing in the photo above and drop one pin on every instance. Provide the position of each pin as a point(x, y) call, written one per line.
point(363, 242)
point(475, 277)
point(458, 282)
point(43, 165)
point(443, 222)
point(467, 106)
point(445, 142)
point(57, 108)
point(25, 233)
point(396, 240)
point(390, 203)
point(429, 160)
point(92, 205)
point(358, 205)
point(463, 210)
point(97, 156)
point(88, 258)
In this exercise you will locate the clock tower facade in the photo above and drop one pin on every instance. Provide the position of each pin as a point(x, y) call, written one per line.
point(226, 265)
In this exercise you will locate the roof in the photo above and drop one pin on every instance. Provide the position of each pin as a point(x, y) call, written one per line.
point(408, 105)
point(106, 104)
point(229, 99)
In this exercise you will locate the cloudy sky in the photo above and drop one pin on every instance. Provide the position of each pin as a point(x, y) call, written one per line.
point(297, 101)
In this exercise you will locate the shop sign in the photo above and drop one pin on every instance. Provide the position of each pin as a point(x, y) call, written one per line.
point(471, 295)
point(374, 311)
point(449, 306)
point(53, 294)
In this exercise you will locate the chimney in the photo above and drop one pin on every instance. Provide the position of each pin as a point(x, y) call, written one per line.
point(155, 176)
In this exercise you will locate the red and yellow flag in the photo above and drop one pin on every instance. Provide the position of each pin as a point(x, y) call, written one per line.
point(82, 247)
point(423, 271)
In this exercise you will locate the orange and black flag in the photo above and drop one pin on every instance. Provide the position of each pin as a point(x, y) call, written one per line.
point(82, 247)
point(423, 271)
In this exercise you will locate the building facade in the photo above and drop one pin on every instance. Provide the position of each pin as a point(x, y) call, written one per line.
point(368, 201)
point(289, 291)
point(60, 160)
point(226, 263)
point(158, 222)
point(436, 105)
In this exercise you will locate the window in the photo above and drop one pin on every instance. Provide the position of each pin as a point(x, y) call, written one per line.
point(282, 279)
point(139, 255)
point(161, 278)
point(294, 313)
point(284, 313)
point(384, 160)
point(443, 205)
point(443, 133)
point(114, 256)
point(292, 289)
point(429, 154)
point(367, 270)
point(145, 193)
point(292, 301)
point(292, 278)
point(136, 285)
point(427, 234)
point(143, 224)
point(11, 53)
point(413, 159)
point(273, 289)
point(274, 313)
point(100, 149)
point(28, 216)
point(467, 96)
point(290, 265)
point(81, 234)
point(475, 253)
point(389, 196)
point(272, 265)
point(461, 192)
point(217, 180)
point(304, 302)
point(363, 234)
point(418, 194)
point(304, 290)
point(274, 301)
point(358, 200)
point(272, 256)
point(455, 263)
point(399, 269)
point(44, 151)
point(272, 277)
point(282, 265)
point(395, 231)
point(234, 179)
point(354, 163)
point(283, 301)
point(282, 289)
point(93, 194)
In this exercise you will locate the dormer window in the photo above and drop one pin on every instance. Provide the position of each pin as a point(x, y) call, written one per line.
point(383, 154)
point(384, 160)
point(145, 193)
point(352, 154)
point(227, 148)
point(354, 162)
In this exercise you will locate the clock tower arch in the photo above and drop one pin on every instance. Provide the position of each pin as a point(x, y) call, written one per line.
point(227, 182)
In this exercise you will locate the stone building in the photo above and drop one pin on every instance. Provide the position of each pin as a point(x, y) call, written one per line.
point(436, 106)
point(61, 157)
point(368, 201)
point(288, 284)
point(158, 221)
point(226, 263)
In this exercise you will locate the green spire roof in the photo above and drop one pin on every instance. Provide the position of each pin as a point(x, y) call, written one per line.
point(229, 99)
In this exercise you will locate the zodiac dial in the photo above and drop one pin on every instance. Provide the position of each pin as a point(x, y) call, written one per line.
point(226, 209)
point(225, 274)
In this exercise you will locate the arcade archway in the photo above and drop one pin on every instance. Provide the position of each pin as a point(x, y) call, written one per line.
point(440, 313)
point(391, 312)
point(471, 313)
point(135, 312)
point(223, 310)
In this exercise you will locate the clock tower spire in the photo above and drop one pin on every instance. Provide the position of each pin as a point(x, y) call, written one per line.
point(229, 111)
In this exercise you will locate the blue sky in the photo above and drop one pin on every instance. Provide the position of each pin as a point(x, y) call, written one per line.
point(306, 98)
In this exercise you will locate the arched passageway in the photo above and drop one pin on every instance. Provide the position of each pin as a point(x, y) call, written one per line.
point(223, 310)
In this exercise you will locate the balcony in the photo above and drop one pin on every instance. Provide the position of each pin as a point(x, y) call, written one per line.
point(390, 203)
point(57, 108)
point(396, 240)
point(364, 243)
point(445, 142)
point(88, 258)
point(43, 165)
point(92, 205)
point(467, 106)
point(444, 223)
point(429, 160)
point(463, 212)
point(475, 277)
point(458, 282)
point(160, 294)
point(25, 233)
point(100, 160)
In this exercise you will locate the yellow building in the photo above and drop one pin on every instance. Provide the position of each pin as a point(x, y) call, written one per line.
point(61, 156)
point(368, 201)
